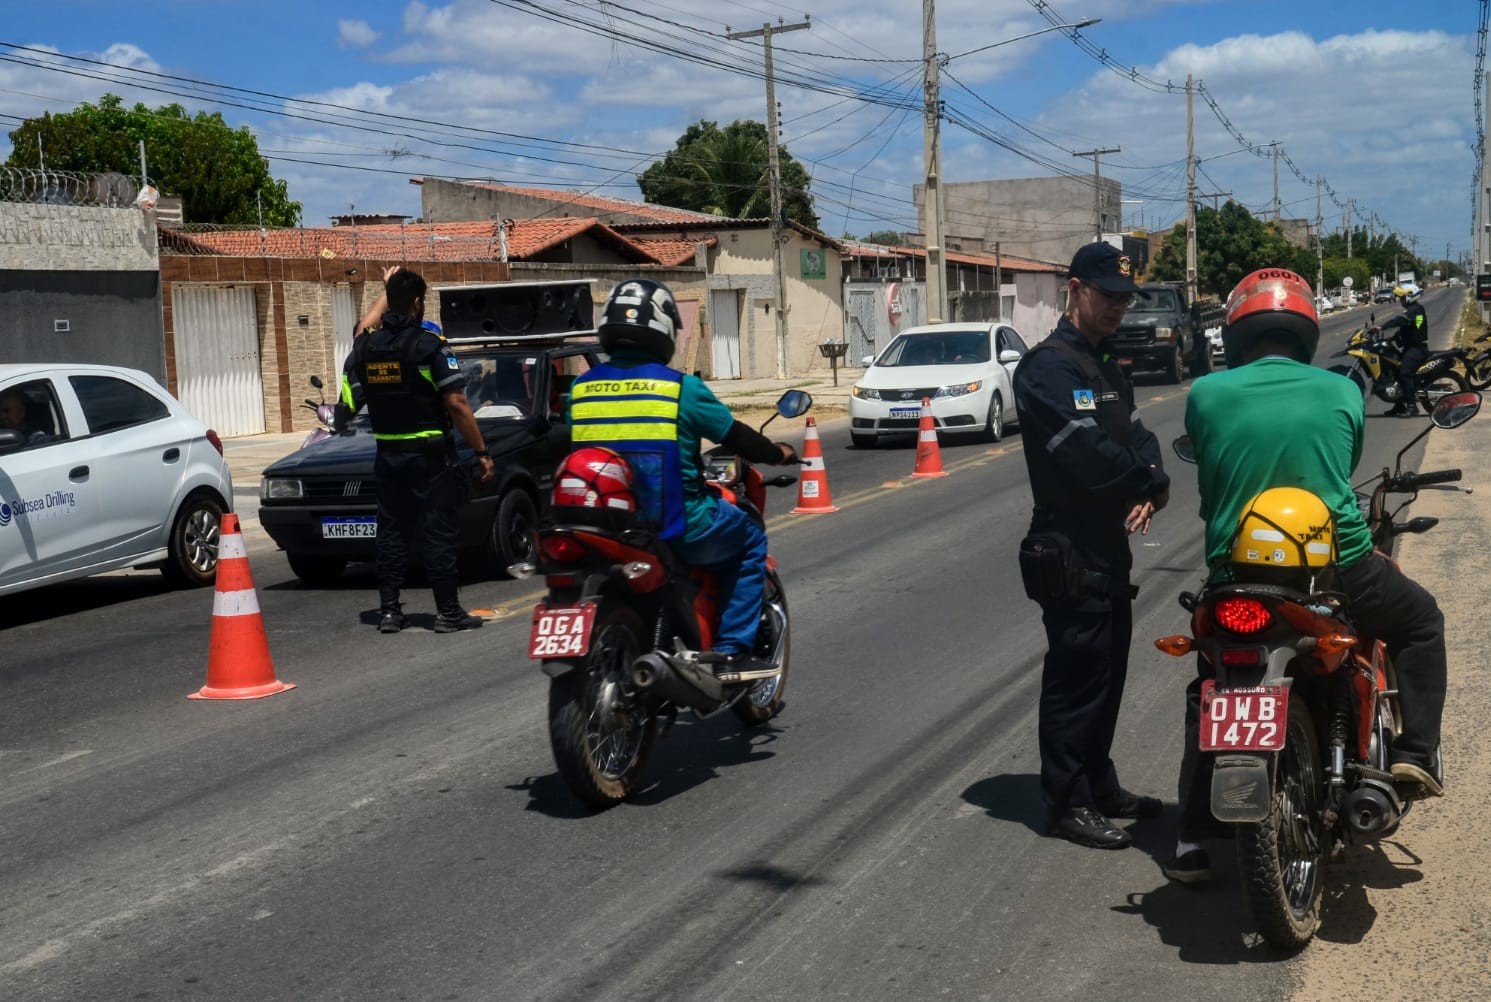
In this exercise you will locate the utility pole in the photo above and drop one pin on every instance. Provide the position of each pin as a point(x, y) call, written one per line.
point(1190, 192)
point(1319, 243)
point(1275, 145)
point(1350, 211)
point(1097, 188)
point(932, 157)
point(775, 177)
point(1214, 195)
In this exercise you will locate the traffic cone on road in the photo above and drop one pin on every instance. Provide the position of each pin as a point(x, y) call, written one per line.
point(238, 662)
point(928, 452)
point(812, 488)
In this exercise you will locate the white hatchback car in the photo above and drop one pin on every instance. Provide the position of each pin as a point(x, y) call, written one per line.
point(967, 370)
point(102, 469)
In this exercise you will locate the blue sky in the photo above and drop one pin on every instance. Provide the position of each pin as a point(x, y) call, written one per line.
point(1377, 97)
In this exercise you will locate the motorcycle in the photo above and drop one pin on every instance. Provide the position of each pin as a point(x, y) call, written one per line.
point(1301, 716)
point(325, 413)
point(1376, 365)
point(624, 631)
point(1477, 362)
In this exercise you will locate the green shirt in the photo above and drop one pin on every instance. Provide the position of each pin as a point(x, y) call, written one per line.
point(1276, 423)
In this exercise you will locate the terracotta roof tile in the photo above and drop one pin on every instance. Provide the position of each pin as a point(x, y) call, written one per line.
point(603, 203)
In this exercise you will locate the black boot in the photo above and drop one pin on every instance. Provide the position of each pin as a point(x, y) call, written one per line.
point(449, 616)
point(390, 619)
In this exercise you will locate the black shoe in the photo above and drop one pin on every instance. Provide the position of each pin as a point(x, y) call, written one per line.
point(1123, 804)
point(1192, 868)
point(392, 621)
point(1397, 410)
point(456, 622)
point(1085, 826)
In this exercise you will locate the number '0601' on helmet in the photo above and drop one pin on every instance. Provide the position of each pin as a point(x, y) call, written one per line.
point(1285, 527)
point(1273, 303)
point(642, 315)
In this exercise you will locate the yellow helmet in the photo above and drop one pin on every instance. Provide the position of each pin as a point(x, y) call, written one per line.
point(1285, 527)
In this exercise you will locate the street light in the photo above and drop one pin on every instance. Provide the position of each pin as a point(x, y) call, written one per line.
point(932, 155)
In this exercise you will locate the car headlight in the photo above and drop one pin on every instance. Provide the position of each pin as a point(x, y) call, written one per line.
point(277, 487)
point(866, 393)
point(960, 389)
point(1164, 333)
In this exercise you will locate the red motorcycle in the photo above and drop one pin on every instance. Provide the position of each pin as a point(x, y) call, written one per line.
point(625, 630)
point(1304, 705)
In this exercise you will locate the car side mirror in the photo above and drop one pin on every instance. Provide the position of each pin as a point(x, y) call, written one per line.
point(867, 361)
point(11, 441)
point(1008, 355)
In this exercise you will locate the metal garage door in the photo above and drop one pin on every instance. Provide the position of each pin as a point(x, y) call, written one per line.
point(217, 357)
point(343, 323)
point(724, 312)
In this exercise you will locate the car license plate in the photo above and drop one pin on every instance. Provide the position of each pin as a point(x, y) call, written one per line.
point(561, 631)
point(905, 412)
point(1249, 719)
point(333, 527)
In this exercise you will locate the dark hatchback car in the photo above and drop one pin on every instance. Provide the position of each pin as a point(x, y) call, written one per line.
point(320, 502)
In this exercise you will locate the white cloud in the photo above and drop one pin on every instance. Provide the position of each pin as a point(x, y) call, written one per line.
point(356, 33)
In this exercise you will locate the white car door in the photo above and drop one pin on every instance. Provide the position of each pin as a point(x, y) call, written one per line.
point(49, 497)
point(1008, 339)
point(139, 459)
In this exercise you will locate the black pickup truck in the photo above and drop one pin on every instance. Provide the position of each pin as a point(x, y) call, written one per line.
point(1159, 333)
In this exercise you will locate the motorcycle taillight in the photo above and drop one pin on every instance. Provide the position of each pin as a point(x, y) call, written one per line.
point(1242, 615)
point(561, 549)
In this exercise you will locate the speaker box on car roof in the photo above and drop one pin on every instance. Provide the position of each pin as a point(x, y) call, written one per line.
point(513, 310)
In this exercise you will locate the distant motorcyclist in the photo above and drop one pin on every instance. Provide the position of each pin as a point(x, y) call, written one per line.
point(1409, 333)
point(657, 417)
point(1273, 420)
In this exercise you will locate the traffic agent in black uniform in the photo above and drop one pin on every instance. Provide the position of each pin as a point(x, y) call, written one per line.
point(1410, 331)
point(1096, 476)
point(414, 390)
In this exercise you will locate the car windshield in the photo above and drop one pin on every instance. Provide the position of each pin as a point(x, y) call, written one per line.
point(1155, 301)
point(951, 348)
point(499, 385)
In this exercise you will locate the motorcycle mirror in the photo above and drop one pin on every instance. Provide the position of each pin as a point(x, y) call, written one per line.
point(1455, 409)
point(794, 403)
point(316, 382)
point(1184, 448)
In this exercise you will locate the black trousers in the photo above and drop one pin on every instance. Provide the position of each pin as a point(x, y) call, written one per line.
point(418, 494)
point(1407, 381)
point(1405, 617)
point(1087, 663)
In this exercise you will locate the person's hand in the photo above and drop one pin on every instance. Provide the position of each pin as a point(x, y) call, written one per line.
point(488, 468)
point(1138, 518)
point(389, 272)
point(789, 454)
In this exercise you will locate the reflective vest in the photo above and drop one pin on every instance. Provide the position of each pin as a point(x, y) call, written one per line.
point(405, 407)
point(634, 410)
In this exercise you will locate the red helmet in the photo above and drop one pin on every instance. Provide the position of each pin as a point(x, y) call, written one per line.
point(1276, 303)
point(593, 485)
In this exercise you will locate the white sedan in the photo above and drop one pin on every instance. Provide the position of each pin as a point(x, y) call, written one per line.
point(102, 469)
point(965, 369)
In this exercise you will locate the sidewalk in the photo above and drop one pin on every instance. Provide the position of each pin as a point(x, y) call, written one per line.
point(248, 455)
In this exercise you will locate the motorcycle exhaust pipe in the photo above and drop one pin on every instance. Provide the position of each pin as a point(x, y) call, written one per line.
point(1373, 809)
point(677, 682)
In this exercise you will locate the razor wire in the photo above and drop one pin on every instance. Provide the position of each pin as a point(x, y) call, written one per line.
point(53, 187)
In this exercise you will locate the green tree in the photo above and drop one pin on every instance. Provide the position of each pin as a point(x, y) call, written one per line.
point(724, 172)
point(1230, 243)
point(890, 238)
point(215, 169)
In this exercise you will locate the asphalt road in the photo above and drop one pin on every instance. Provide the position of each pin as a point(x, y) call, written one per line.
point(394, 828)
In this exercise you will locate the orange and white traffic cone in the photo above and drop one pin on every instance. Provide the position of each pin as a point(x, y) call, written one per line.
point(238, 662)
point(812, 488)
point(928, 452)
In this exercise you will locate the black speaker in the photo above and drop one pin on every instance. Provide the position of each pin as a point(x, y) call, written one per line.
point(516, 309)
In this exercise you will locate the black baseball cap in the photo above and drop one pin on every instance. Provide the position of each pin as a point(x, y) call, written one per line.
point(1103, 265)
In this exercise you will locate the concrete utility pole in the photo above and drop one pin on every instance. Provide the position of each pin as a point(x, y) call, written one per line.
point(1097, 188)
point(1214, 195)
point(1275, 145)
point(1350, 209)
point(775, 176)
point(932, 154)
point(1190, 192)
point(1319, 242)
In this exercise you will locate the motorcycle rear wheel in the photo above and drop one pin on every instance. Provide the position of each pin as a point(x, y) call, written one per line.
point(765, 699)
point(1447, 382)
point(1282, 859)
point(599, 734)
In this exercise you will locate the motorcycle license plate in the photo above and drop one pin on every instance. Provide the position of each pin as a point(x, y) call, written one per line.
point(561, 631)
point(1249, 719)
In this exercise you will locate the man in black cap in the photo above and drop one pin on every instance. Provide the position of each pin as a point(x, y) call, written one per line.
point(1096, 477)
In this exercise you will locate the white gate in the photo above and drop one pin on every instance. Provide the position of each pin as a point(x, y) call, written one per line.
point(217, 357)
point(724, 314)
point(344, 318)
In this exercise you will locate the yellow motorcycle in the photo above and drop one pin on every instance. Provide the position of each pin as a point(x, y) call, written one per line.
point(1377, 364)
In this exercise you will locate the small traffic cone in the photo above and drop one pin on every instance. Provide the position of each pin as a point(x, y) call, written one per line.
point(928, 452)
point(238, 663)
point(812, 488)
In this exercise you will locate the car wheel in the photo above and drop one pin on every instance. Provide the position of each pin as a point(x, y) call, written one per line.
point(316, 570)
point(191, 560)
point(994, 423)
point(862, 441)
point(514, 535)
point(1173, 368)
